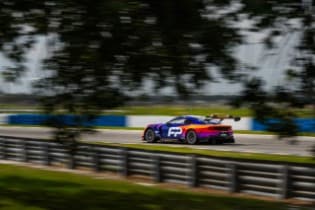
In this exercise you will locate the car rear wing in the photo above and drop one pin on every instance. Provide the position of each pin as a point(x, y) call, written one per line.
point(221, 117)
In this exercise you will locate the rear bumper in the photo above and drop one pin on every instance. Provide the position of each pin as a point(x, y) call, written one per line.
point(218, 139)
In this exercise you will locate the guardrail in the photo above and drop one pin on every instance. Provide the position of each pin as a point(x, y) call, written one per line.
point(275, 180)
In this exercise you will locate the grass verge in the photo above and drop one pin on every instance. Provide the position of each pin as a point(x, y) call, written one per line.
point(271, 133)
point(176, 110)
point(142, 128)
point(34, 189)
point(172, 110)
point(235, 131)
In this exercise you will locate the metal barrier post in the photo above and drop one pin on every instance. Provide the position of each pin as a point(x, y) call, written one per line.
point(71, 161)
point(24, 151)
point(193, 176)
point(96, 160)
point(285, 182)
point(157, 168)
point(47, 158)
point(233, 182)
point(124, 162)
point(3, 149)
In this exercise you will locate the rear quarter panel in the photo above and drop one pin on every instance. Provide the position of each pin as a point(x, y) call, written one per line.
point(205, 131)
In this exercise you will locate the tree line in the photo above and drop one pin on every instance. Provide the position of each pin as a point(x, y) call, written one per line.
point(99, 52)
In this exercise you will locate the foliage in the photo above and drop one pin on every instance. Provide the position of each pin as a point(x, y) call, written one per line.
point(281, 20)
point(272, 110)
point(98, 51)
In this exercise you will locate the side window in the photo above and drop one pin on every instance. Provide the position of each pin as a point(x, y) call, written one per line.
point(187, 122)
point(177, 121)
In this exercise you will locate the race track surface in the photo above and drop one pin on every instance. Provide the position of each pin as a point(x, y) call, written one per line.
point(244, 142)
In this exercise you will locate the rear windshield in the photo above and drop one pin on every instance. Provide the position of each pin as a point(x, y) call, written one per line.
point(212, 121)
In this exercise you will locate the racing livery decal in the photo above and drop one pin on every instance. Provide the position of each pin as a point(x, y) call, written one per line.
point(174, 131)
point(192, 129)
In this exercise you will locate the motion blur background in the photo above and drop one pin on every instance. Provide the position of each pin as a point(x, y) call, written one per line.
point(82, 59)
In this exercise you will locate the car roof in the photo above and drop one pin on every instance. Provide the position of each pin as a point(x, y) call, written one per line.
point(193, 118)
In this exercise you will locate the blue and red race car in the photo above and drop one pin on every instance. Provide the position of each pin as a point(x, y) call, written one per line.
point(192, 130)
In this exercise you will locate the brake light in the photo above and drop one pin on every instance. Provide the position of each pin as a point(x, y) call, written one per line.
point(219, 128)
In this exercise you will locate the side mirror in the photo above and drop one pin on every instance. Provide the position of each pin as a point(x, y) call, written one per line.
point(236, 119)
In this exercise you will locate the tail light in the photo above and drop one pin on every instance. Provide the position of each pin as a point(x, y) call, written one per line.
point(219, 128)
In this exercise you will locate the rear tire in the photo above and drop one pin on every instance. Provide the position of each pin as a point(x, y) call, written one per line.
point(191, 137)
point(150, 136)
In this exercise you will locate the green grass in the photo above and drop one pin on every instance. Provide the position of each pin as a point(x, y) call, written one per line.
point(16, 106)
point(222, 154)
point(142, 128)
point(34, 189)
point(175, 110)
point(270, 133)
point(13, 108)
point(235, 131)
point(172, 110)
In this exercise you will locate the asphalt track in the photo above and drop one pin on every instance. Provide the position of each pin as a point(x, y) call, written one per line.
point(244, 142)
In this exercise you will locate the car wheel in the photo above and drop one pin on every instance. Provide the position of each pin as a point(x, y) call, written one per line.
point(191, 137)
point(149, 135)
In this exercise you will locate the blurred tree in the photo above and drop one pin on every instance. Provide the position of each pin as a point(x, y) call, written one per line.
point(281, 20)
point(273, 110)
point(100, 50)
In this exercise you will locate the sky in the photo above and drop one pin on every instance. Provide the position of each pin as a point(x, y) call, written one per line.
point(271, 64)
point(33, 73)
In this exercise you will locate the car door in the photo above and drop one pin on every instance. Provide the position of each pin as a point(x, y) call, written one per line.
point(172, 129)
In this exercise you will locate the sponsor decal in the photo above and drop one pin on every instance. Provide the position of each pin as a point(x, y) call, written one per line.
point(174, 131)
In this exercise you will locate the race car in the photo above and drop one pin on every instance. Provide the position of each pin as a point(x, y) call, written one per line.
point(192, 130)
